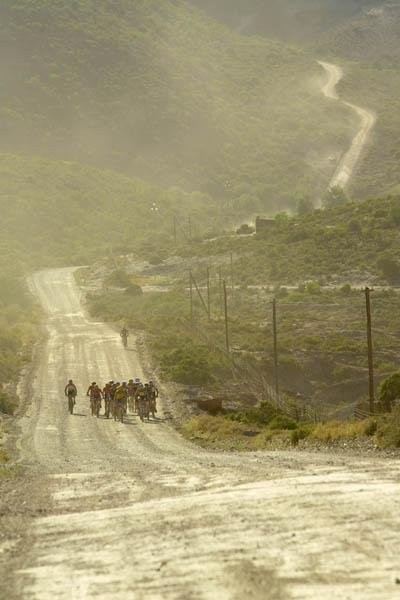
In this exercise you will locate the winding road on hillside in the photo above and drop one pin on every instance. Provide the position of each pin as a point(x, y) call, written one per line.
point(349, 161)
point(139, 513)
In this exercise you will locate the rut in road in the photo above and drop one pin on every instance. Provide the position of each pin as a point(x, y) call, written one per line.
point(140, 513)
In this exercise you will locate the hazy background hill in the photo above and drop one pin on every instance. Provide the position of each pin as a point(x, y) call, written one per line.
point(363, 36)
point(159, 91)
point(369, 49)
point(300, 21)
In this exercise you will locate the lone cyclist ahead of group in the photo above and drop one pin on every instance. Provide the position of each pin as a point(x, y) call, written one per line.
point(119, 398)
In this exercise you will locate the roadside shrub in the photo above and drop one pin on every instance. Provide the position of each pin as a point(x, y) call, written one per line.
point(134, 290)
point(259, 415)
point(337, 430)
point(389, 268)
point(388, 430)
point(8, 405)
point(313, 288)
point(119, 278)
point(389, 391)
point(189, 364)
point(283, 422)
point(370, 427)
point(301, 433)
point(345, 289)
point(218, 431)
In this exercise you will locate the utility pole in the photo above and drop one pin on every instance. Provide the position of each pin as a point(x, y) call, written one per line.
point(232, 277)
point(370, 353)
point(208, 293)
point(228, 348)
point(190, 227)
point(221, 291)
point(191, 296)
point(174, 229)
point(276, 359)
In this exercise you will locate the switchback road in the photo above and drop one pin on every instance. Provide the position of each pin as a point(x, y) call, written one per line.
point(349, 161)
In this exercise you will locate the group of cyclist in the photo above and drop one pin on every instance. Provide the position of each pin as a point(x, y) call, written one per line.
point(119, 398)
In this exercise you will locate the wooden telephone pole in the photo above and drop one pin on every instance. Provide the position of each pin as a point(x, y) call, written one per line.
point(276, 358)
point(191, 296)
point(208, 293)
point(370, 352)
point(228, 347)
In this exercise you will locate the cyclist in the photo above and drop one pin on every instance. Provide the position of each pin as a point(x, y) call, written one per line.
point(120, 402)
point(138, 385)
point(71, 389)
point(95, 395)
point(153, 395)
point(71, 393)
point(143, 401)
point(131, 395)
point(124, 335)
point(107, 395)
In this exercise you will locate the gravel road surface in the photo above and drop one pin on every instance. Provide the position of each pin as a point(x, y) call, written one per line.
point(139, 513)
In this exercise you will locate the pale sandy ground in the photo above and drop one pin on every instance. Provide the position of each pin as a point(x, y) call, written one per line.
point(139, 513)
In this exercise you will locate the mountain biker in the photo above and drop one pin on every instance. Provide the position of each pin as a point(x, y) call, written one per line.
point(91, 387)
point(143, 401)
point(124, 335)
point(107, 395)
point(120, 397)
point(154, 389)
point(95, 394)
point(71, 389)
point(138, 385)
point(131, 395)
point(153, 395)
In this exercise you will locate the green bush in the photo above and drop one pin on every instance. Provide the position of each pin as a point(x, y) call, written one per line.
point(189, 364)
point(388, 432)
point(283, 422)
point(389, 391)
point(134, 290)
point(8, 404)
point(389, 268)
point(259, 415)
point(119, 278)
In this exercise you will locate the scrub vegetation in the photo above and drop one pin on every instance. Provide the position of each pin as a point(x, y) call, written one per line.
point(316, 265)
point(243, 433)
point(159, 91)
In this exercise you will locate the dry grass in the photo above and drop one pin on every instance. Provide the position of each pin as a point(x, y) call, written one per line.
point(336, 431)
point(219, 432)
point(227, 434)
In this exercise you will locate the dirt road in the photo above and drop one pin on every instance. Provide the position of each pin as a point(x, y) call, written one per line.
point(138, 513)
point(351, 158)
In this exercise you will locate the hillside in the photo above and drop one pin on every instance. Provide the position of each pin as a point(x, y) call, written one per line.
point(298, 21)
point(317, 267)
point(61, 213)
point(157, 90)
point(345, 244)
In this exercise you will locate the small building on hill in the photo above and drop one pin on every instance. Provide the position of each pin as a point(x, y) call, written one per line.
point(263, 225)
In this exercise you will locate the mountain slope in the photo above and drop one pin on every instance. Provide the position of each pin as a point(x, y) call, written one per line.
point(299, 21)
point(56, 213)
point(159, 91)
